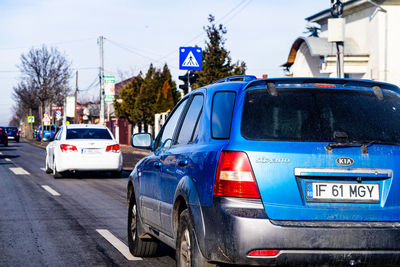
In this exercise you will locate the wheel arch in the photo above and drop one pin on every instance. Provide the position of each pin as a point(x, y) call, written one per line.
point(129, 191)
point(186, 197)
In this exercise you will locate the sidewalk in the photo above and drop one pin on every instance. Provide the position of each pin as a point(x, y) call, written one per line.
point(130, 155)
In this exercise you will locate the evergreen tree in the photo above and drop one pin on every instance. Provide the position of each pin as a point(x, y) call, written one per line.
point(167, 96)
point(165, 99)
point(217, 62)
point(312, 30)
point(144, 108)
point(128, 95)
point(143, 97)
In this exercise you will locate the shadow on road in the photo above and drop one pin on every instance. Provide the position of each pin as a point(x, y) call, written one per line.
point(96, 175)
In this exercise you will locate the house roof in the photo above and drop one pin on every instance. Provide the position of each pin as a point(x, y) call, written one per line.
point(326, 13)
point(118, 86)
point(321, 47)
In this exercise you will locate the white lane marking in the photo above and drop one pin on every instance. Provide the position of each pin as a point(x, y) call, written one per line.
point(118, 244)
point(7, 159)
point(19, 171)
point(1, 153)
point(51, 190)
point(43, 169)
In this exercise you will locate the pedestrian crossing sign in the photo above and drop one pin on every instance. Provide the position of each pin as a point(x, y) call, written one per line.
point(190, 58)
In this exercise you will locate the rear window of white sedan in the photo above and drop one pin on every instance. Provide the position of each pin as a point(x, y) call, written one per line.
point(88, 133)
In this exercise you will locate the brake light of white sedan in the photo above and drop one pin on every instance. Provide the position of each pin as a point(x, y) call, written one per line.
point(68, 148)
point(113, 148)
point(235, 177)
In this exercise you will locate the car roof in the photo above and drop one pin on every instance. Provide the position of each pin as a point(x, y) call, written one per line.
point(243, 82)
point(321, 82)
point(80, 126)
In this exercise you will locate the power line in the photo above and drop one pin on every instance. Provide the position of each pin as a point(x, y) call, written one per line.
point(217, 21)
point(132, 49)
point(54, 43)
point(9, 71)
point(235, 11)
point(128, 49)
point(93, 84)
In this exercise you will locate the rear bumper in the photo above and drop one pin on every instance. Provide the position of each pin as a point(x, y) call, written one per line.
point(76, 162)
point(232, 230)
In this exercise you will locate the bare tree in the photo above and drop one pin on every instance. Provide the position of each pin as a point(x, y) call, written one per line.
point(45, 75)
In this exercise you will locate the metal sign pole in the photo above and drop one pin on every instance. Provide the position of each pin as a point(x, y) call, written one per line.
point(189, 85)
point(101, 82)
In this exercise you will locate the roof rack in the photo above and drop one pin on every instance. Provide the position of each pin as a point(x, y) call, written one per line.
point(245, 78)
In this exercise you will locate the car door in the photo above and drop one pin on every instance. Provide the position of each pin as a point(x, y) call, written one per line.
point(52, 146)
point(176, 162)
point(151, 169)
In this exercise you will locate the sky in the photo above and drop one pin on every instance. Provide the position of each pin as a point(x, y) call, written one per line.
point(137, 33)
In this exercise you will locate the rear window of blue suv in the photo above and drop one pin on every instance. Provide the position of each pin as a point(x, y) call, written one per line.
point(309, 115)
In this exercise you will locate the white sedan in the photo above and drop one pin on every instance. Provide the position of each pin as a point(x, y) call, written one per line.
point(83, 147)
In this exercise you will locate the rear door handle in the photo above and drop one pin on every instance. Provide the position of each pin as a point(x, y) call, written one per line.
point(183, 162)
point(157, 164)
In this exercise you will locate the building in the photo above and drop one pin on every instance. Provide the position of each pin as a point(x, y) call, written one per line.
point(370, 47)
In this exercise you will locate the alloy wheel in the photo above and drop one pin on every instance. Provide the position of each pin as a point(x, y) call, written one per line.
point(133, 223)
point(185, 248)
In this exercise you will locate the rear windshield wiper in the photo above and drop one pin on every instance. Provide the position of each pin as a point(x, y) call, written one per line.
point(362, 144)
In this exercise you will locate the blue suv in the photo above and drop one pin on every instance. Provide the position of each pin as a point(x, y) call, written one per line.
point(273, 172)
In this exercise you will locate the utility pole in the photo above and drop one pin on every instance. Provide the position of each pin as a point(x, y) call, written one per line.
point(101, 81)
point(76, 98)
point(336, 34)
point(65, 103)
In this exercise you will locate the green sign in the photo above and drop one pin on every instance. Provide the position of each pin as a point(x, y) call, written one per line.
point(109, 98)
point(109, 88)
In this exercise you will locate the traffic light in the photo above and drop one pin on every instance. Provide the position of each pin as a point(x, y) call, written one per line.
point(185, 85)
point(188, 80)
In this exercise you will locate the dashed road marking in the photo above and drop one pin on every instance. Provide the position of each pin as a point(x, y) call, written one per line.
point(1, 153)
point(19, 171)
point(118, 244)
point(7, 159)
point(43, 169)
point(51, 190)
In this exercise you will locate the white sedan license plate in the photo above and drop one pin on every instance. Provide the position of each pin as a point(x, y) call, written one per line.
point(342, 192)
point(91, 151)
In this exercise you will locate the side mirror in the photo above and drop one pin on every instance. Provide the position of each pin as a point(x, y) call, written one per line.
point(142, 140)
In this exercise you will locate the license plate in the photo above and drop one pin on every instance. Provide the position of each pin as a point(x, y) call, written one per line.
point(342, 192)
point(91, 151)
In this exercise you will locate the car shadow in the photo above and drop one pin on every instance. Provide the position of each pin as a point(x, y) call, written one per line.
point(9, 156)
point(96, 175)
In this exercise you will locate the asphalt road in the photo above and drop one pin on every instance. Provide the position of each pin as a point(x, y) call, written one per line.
point(75, 221)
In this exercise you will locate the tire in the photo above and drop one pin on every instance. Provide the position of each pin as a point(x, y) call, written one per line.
point(48, 170)
point(139, 247)
point(56, 174)
point(187, 250)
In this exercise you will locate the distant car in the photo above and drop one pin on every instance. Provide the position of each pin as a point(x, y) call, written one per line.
point(47, 134)
point(12, 133)
point(83, 147)
point(3, 136)
point(35, 133)
point(285, 171)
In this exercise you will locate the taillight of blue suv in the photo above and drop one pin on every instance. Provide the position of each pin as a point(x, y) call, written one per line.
point(235, 177)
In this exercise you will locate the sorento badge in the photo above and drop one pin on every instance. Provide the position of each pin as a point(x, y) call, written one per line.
point(344, 161)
